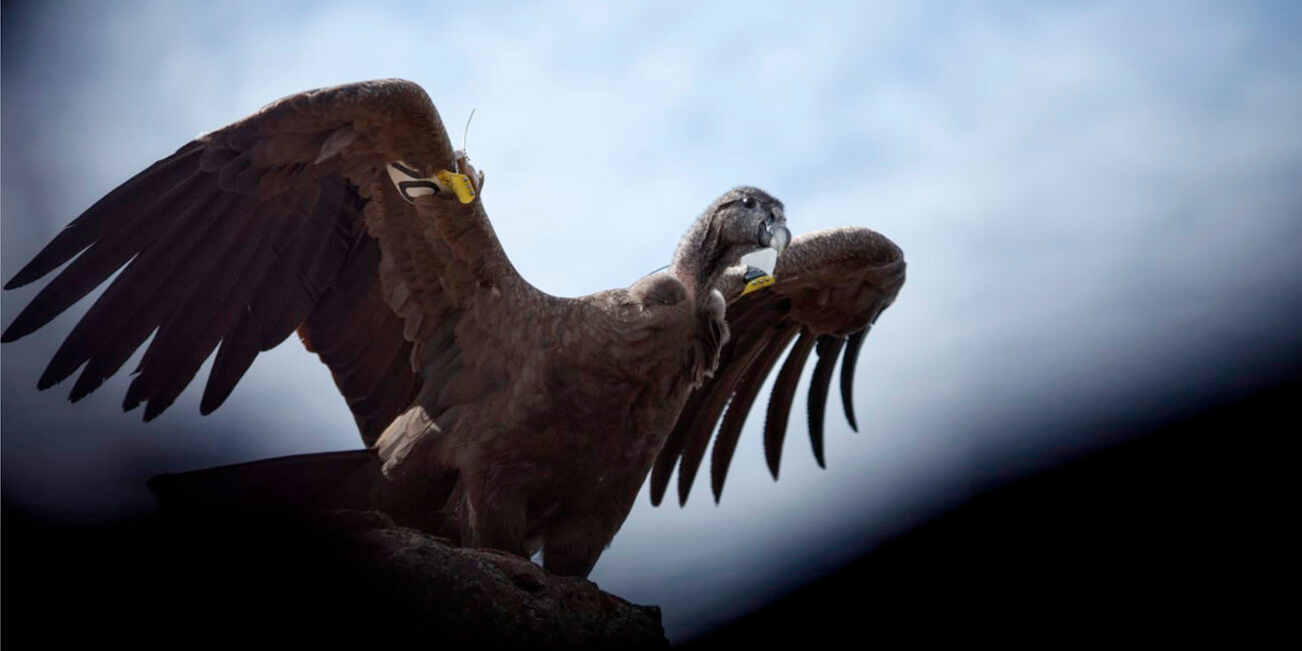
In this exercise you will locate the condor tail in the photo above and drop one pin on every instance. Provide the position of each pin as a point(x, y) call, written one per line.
point(302, 483)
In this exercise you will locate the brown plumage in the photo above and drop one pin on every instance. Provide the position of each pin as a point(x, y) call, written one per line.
point(494, 413)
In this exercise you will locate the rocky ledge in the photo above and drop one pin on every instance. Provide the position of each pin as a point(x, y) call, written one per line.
point(448, 595)
point(349, 580)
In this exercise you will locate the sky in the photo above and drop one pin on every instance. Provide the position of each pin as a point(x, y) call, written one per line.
point(1098, 203)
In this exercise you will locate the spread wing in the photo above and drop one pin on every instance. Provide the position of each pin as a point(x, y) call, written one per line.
point(286, 220)
point(831, 287)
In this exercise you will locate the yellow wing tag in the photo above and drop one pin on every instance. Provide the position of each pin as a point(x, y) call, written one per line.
point(758, 284)
point(460, 184)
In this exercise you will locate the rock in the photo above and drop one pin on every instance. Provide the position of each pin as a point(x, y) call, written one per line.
point(401, 585)
point(344, 580)
point(458, 598)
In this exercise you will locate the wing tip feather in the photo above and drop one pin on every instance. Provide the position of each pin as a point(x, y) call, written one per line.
point(686, 477)
point(772, 457)
point(82, 389)
point(155, 407)
point(717, 486)
point(849, 358)
point(34, 270)
point(17, 329)
point(52, 376)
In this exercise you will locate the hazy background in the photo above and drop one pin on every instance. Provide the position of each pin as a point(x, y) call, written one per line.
point(1099, 203)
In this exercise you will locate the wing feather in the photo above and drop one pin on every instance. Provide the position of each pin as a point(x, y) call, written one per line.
point(784, 391)
point(186, 337)
point(725, 444)
point(126, 207)
point(703, 425)
point(831, 286)
point(691, 434)
point(284, 221)
point(828, 348)
point(360, 339)
point(98, 260)
point(135, 291)
point(852, 346)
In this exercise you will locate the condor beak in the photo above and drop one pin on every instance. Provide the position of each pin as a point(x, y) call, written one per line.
point(779, 237)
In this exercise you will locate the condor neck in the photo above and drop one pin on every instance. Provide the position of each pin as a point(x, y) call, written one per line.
point(691, 260)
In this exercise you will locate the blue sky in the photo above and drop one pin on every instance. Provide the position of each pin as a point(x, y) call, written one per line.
point(1096, 200)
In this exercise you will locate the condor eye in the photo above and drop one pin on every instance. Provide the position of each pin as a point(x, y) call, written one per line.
point(748, 202)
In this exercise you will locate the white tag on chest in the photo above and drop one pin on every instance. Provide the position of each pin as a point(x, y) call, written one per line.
point(765, 260)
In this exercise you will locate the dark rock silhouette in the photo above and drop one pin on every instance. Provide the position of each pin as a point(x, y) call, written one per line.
point(466, 597)
point(346, 577)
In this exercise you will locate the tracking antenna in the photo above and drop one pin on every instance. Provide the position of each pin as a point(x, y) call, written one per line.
point(466, 131)
point(656, 271)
